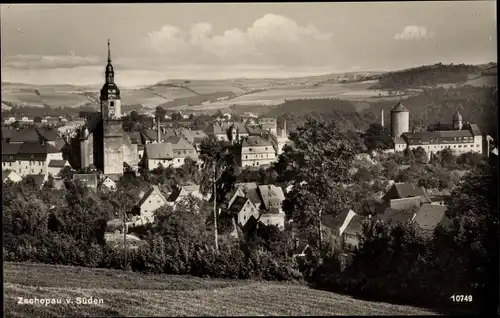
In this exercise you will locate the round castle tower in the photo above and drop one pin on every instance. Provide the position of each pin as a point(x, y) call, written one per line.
point(457, 121)
point(400, 120)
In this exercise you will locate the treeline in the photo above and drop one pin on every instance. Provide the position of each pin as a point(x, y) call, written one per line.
point(477, 105)
point(428, 75)
point(298, 112)
point(197, 99)
point(31, 112)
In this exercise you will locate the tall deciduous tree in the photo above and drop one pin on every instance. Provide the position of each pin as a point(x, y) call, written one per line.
point(319, 162)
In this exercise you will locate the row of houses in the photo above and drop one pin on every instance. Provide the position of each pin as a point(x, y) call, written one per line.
point(403, 203)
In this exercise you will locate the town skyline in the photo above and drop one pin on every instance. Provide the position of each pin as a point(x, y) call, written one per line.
point(220, 41)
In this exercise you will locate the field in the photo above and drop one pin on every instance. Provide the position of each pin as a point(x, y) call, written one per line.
point(134, 294)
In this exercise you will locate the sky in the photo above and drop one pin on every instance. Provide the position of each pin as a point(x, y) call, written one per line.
point(67, 44)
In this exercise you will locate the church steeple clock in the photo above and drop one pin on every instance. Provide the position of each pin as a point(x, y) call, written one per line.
point(110, 94)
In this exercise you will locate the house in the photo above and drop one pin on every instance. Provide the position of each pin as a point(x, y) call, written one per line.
point(56, 166)
point(256, 152)
point(300, 248)
point(352, 233)
point(438, 199)
point(337, 225)
point(397, 216)
point(107, 184)
point(38, 179)
point(267, 199)
point(89, 180)
point(404, 196)
point(180, 192)
point(28, 157)
point(144, 210)
point(58, 184)
point(8, 175)
point(172, 153)
point(429, 216)
point(241, 209)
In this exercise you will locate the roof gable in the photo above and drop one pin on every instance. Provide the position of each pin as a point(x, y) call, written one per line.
point(154, 190)
point(429, 216)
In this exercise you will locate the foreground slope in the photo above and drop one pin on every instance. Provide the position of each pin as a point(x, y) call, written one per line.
point(134, 294)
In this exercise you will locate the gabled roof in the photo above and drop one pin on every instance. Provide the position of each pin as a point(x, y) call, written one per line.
point(334, 222)
point(396, 216)
point(153, 190)
point(475, 130)
point(150, 134)
point(159, 151)
point(24, 134)
point(10, 149)
point(354, 227)
point(87, 179)
point(135, 137)
point(406, 190)
point(271, 194)
point(429, 216)
point(38, 178)
point(251, 192)
point(437, 134)
point(48, 134)
point(256, 141)
point(238, 204)
point(34, 147)
point(58, 163)
point(6, 174)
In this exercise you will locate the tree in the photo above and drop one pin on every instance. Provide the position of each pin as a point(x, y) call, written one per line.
point(377, 138)
point(160, 112)
point(420, 155)
point(319, 162)
point(216, 153)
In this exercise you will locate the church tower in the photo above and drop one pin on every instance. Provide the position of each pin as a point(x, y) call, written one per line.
point(110, 94)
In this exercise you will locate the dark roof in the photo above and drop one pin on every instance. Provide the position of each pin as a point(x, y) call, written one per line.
point(38, 178)
point(6, 133)
point(475, 130)
point(255, 141)
point(429, 216)
point(354, 227)
point(397, 216)
point(30, 147)
point(334, 222)
point(405, 203)
point(398, 140)
point(437, 134)
point(238, 204)
point(250, 190)
point(57, 163)
point(48, 134)
point(135, 137)
point(24, 134)
point(10, 149)
point(174, 194)
point(406, 190)
point(440, 127)
point(399, 108)
point(150, 134)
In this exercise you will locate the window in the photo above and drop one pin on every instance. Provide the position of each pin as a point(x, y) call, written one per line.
point(149, 201)
point(257, 163)
point(112, 104)
point(246, 157)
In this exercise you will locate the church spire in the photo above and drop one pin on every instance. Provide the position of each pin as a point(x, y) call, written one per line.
point(109, 52)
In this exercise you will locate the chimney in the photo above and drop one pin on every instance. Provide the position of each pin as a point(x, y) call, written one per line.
point(284, 128)
point(382, 118)
point(158, 128)
point(296, 243)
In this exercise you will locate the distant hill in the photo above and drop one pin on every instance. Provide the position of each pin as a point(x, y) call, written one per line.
point(477, 105)
point(428, 76)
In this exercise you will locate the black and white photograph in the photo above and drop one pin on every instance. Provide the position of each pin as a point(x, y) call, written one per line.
point(250, 159)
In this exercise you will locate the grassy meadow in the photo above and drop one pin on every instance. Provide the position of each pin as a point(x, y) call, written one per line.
point(135, 294)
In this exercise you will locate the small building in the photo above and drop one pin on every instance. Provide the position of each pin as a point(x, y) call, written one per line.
point(144, 210)
point(8, 175)
point(38, 179)
point(429, 216)
point(107, 184)
point(336, 225)
point(241, 209)
point(89, 180)
point(352, 233)
point(256, 152)
point(56, 166)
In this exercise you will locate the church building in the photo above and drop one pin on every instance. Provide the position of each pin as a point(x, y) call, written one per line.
point(103, 142)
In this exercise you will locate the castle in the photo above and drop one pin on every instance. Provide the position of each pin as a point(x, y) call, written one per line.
point(458, 136)
point(103, 142)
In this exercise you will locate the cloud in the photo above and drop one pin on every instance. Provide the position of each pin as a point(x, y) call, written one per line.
point(270, 39)
point(26, 61)
point(414, 32)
